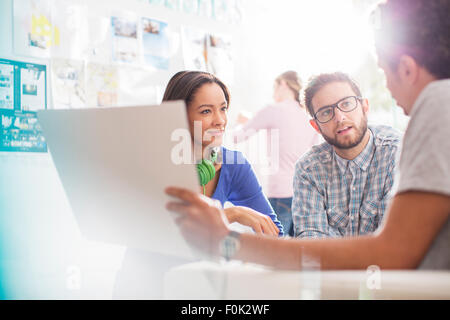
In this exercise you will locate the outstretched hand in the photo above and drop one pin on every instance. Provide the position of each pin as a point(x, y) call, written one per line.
point(259, 222)
point(201, 220)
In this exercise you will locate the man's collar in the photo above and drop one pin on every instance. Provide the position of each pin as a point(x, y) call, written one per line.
point(362, 160)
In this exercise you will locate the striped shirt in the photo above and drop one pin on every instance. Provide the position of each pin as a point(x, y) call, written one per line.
point(335, 197)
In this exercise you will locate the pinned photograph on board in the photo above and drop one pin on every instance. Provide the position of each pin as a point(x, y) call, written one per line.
point(23, 86)
point(33, 89)
point(6, 86)
point(220, 57)
point(68, 84)
point(194, 48)
point(155, 43)
point(124, 39)
point(124, 27)
point(72, 24)
point(22, 92)
point(103, 85)
point(34, 33)
point(21, 131)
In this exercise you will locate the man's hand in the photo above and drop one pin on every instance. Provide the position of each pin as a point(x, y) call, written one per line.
point(259, 222)
point(202, 220)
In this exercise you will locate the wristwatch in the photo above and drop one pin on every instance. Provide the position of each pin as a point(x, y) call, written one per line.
point(230, 245)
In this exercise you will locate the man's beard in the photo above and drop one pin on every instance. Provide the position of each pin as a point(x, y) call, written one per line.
point(360, 132)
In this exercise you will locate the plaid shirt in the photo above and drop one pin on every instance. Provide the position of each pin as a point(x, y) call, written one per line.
point(334, 197)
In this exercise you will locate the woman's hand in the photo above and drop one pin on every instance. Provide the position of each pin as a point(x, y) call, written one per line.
point(251, 218)
point(202, 221)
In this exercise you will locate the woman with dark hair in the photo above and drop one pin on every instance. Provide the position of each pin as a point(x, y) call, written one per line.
point(225, 175)
point(232, 177)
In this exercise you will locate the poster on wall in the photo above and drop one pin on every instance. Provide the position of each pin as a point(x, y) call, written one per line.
point(194, 48)
point(72, 24)
point(33, 94)
point(34, 33)
point(103, 85)
point(21, 132)
point(68, 83)
point(7, 87)
point(155, 43)
point(220, 57)
point(125, 44)
point(22, 92)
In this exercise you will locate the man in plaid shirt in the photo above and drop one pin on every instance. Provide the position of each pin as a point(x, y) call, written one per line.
point(342, 186)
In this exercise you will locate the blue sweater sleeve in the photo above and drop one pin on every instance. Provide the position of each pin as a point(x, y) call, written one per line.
point(247, 192)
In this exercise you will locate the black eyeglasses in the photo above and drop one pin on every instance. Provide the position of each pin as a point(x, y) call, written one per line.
point(347, 104)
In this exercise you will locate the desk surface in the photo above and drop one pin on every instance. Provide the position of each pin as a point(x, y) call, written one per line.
point(234, 280)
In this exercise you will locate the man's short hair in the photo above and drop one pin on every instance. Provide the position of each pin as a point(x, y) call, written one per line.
point(418, 28)
point(316, 83)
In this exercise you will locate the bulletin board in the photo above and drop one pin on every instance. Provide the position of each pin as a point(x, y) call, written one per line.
point(23, 91)
point(94, 54)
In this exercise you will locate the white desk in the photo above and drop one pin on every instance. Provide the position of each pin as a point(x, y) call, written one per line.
point(234, 280)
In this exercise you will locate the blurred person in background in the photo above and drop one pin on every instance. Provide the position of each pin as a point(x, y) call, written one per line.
point(288, 137)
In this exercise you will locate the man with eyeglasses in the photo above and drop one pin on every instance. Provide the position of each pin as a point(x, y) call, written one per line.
point(342, 186)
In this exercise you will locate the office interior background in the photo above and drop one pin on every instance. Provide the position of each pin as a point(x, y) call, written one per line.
point(77, 54)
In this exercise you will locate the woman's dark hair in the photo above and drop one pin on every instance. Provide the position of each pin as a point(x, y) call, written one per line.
point(184, 84)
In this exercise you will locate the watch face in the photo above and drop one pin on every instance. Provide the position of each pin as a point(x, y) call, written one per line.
point(229, 246)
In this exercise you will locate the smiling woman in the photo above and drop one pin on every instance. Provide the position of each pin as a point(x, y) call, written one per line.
point(211, 116)
point(225, 175)
point(232, 177)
